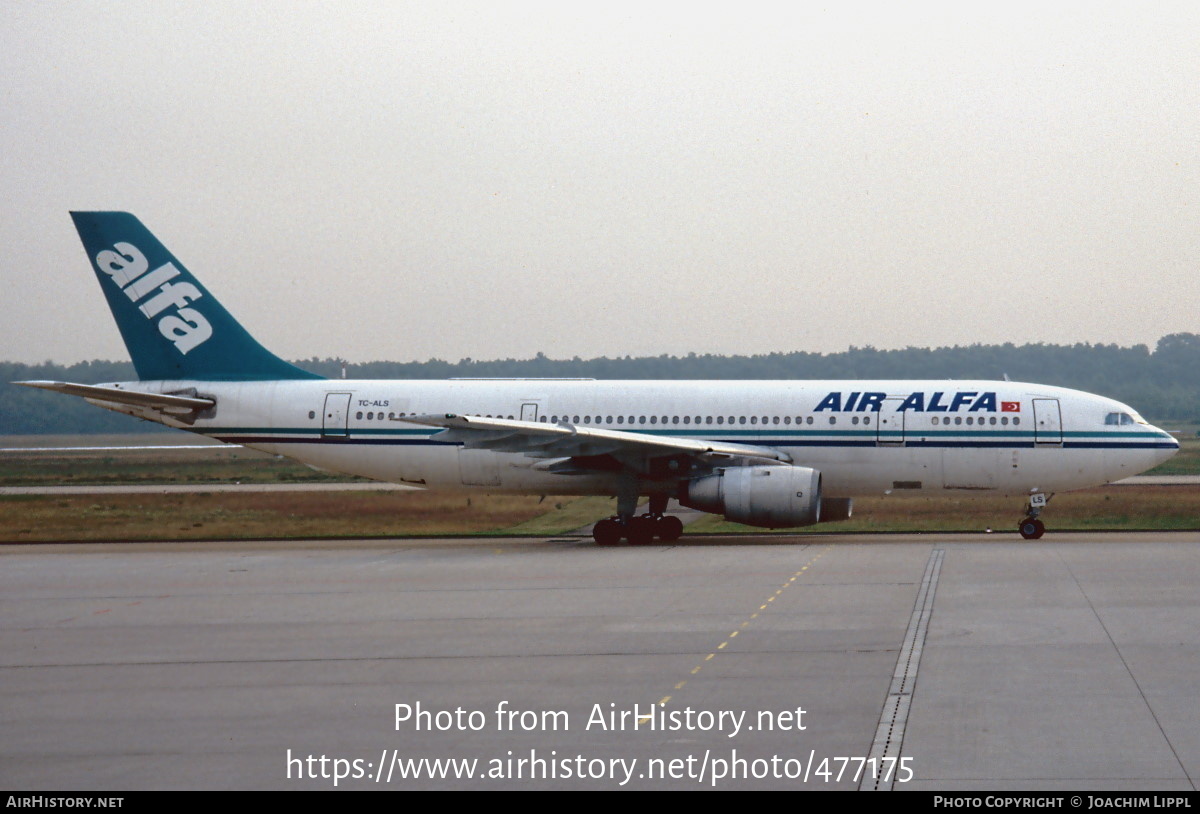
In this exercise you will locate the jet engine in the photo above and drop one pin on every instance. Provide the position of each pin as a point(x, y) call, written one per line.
point(765, 496)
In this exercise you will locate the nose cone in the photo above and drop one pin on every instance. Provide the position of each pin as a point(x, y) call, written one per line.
point(1166, 445)
point(1131, 456)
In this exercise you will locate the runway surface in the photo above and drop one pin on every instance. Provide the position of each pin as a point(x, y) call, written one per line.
point(963, 661)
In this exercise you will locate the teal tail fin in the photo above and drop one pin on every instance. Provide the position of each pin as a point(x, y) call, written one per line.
point(172, 326)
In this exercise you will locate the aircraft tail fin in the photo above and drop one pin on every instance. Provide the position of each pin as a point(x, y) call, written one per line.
point(172, 326)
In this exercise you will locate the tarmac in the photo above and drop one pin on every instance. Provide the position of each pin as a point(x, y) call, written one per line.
point(873, 662)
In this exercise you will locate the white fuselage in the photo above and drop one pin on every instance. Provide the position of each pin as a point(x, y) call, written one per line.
point(865, 437)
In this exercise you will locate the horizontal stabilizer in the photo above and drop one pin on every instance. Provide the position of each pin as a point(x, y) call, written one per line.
point(117, 395)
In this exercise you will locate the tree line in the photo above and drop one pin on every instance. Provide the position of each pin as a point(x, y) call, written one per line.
point(1163, 384)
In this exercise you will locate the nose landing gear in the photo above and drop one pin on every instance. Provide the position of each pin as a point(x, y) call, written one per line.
point(1031, 527)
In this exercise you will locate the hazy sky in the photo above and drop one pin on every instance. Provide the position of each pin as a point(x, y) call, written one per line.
point(408, 180)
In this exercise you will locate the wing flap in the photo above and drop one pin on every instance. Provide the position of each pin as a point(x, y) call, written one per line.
point(540, 440)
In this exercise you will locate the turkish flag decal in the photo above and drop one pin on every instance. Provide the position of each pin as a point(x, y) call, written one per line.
point(1010, 406)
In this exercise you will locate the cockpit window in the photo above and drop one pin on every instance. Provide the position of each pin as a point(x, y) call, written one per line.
point(1113, 419)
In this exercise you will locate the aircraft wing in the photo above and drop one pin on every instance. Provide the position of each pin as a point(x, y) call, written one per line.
point(116, 395)
point(558, 441)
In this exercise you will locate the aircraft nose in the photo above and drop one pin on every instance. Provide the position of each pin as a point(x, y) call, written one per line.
point(1166, 445)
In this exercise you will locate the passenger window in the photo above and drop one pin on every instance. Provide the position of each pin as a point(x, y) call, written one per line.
point(358, 415)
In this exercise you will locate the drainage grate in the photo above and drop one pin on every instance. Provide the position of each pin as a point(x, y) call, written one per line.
point(889, 735)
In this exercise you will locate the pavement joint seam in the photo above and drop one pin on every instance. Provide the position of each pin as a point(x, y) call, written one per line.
point(1128, 671)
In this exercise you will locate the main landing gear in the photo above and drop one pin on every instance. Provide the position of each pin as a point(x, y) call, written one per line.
point(1031, 528)
point(639, 529)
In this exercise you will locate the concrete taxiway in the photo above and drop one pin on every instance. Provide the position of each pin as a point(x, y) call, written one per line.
point(957, 661)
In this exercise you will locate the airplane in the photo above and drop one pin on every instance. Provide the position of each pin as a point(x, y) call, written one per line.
point(769, 454)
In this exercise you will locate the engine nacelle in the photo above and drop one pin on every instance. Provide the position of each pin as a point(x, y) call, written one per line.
point(766, 496)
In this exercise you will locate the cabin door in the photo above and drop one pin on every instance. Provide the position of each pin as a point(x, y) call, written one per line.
point(335, 421)
point(1047, 421)
point(889, 423)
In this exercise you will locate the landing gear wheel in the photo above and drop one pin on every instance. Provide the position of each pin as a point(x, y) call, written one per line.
point(640, 530)
point(1032, 528)
point(669, 528)
point(607, 532)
